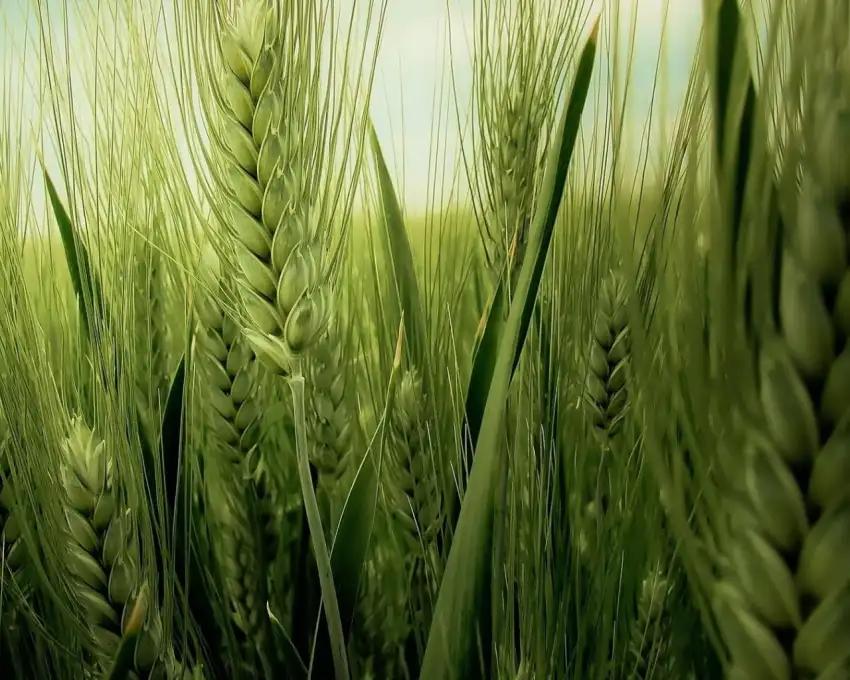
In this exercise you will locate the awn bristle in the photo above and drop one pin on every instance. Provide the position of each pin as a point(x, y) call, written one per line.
point(784, 608)
point(607, 389)
point(13, 552)
point(270, 191)
point(103, 552)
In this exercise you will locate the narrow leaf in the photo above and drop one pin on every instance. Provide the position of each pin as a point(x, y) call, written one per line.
point(398, 250)
point(85, 281)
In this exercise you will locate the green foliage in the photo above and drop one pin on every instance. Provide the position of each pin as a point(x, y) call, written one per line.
point(544, 434)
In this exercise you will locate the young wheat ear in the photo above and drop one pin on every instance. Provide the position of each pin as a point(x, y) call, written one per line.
point(785, 607)
point(330, 422)
point(270, 197)
point(654, 592)
point(103, 554)
point(231, 374)
point(607, 389)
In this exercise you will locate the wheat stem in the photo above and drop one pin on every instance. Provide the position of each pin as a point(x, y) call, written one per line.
point(314, 521)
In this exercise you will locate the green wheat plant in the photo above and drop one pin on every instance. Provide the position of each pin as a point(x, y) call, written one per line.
point(584, 415)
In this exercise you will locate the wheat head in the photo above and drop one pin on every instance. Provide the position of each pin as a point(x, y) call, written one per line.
point(418, 506)
point(271, 196)
point(103, 557)
point(13, 552)
point(607, 389)
point(784, 607)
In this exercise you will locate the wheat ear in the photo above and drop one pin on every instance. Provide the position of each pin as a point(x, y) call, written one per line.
point(784, 608)
point(231, 375)
point(515, 164)
point(270, 195)
point(418, 499)
point(330, 421)
point(607, 390)
point(273, 164)
point(103, 555)
point(647, 630)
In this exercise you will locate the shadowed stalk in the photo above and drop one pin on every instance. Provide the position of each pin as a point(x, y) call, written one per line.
point(317, 534)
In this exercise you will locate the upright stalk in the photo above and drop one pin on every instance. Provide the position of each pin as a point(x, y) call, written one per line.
point(317, 534)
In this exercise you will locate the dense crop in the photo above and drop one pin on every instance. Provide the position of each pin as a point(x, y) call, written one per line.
point(257, 420)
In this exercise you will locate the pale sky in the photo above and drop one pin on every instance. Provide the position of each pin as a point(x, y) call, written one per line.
point(412, 66)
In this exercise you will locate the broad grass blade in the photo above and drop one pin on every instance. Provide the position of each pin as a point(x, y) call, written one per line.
point(461, 625)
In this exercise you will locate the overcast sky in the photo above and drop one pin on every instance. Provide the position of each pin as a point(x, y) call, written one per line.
point(412, 65)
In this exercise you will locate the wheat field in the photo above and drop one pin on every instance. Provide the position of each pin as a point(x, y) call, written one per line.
point(586, 416)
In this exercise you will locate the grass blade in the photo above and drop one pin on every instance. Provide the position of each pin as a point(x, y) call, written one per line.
point(462, 616)
point(295, 668)
point(83, 278)
point(405, 296)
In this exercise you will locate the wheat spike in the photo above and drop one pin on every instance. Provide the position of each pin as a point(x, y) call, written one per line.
point(246, 570)
point(646, 643)
point(383, 621)
point(330, 421)
point(785, 606)
point(270, 193)
point(607, 389)
point(231, 376)
point(103, 553)
point(418, 502)
point(515, 163)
